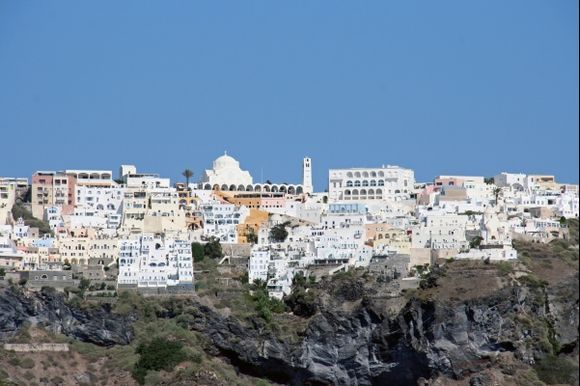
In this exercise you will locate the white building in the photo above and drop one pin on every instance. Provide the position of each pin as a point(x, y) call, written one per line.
point(512, 180)
point(366, 184)
point(441, 231)
point(105, 202)
point(150, 262)
point(226, 173)
point(53, 215)
point(7, 199)
point(220, 219)
point(258, 263)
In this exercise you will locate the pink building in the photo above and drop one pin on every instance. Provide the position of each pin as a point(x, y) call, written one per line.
point(52, 189)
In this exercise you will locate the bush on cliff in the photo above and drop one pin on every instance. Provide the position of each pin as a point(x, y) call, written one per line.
point(159, 354)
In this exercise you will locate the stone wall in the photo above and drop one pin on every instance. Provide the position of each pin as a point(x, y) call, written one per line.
point(36, 347)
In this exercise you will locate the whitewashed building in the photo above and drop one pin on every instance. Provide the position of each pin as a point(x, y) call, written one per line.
point(388, 182)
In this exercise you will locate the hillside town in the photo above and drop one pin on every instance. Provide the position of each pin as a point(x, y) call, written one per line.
point(138, 230)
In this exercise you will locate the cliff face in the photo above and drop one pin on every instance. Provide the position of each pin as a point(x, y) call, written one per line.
point(428, 338)
point(355, 338)
point(48, 309)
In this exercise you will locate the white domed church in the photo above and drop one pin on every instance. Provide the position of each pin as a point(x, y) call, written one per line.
point(226, 174)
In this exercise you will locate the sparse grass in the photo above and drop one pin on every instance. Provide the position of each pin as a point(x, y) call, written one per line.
point(505, 267)
point(555, 370)
point(89, 350)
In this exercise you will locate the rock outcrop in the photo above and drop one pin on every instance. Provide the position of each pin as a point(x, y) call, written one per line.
point(354, 339)
point(49, 310)
point(427, 339)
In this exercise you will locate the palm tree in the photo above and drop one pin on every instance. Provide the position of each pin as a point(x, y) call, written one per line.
point(496, 192)
point(187, 173)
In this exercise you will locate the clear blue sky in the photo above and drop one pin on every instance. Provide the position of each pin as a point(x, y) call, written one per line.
point(443, 87)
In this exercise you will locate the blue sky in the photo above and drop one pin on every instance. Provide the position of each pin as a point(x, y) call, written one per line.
point(446, 87)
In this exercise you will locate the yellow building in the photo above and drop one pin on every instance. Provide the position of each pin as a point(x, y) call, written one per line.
point(252, 224)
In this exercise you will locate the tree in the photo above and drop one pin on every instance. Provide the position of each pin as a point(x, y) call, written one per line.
point(197, 251)
point(489, 180)
point(475, 242)
point(187, 173)
point(20, 211)
point(251, 236)
point(159, 354)
point(2, 272)
point(213, 248)
point(496, 193)
point(278, 233)
point(84, 285)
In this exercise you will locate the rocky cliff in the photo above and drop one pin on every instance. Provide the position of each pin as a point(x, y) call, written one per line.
point(428, 338)
point(49, 310)
point(469, 323)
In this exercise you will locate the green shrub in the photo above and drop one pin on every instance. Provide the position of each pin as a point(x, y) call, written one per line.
point(505, 267)
point(532, 281)
point(197, 251)
point(556, 370)
point(213, 249)
point(278, 233)
point(28, 375)
point(27, 363)
point(159, 354)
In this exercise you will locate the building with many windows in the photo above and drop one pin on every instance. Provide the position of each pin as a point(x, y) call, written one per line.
point(367, 184)
point(152, 264)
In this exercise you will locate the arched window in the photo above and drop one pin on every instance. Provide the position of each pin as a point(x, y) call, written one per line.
point(232, 187)
point(371, 192)
point(207, 187)
point(381, 183)
point(216, 187)
point(299, 190)
point(373, 174)
point(381, 174)
point(224, 187)
point(355, 192)
point(349, 184)
point(365, 174)
point(357, 183)
point(357, 174)
point(379, 192)
point(373, 183)
point(241, 188)
point(347, 192)
point(363, 192)
point(365, 183)
point(249, 188)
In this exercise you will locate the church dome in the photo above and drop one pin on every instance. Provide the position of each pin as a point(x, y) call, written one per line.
point(225, 162)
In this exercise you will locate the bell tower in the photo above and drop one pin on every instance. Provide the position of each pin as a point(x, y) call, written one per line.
point(307, 175)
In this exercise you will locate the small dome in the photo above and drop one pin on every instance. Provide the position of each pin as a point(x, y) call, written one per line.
point(225, 162)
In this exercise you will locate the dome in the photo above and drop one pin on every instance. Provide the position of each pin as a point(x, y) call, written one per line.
point(225, 162)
